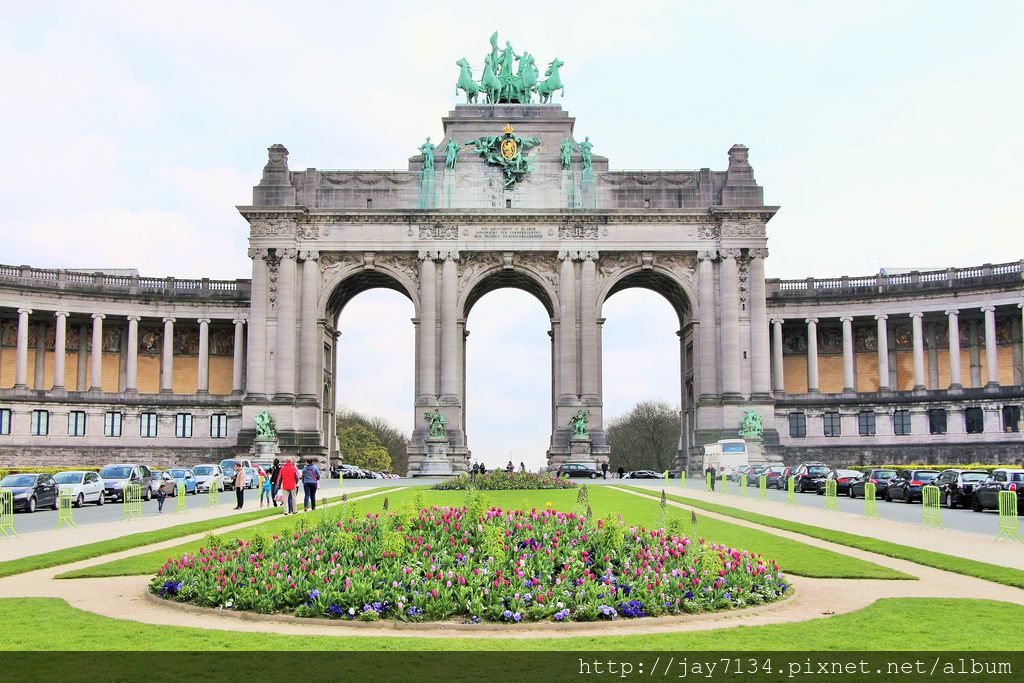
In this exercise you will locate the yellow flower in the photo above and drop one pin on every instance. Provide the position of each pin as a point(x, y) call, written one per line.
point(549, 503)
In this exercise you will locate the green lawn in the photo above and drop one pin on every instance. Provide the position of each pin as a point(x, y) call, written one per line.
point(90, 550)
point(793, 557)
point(890, 624)
point(982, 570)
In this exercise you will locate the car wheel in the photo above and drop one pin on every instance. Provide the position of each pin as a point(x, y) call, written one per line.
point(593, 476)
point(975, 504)
point(887, 497)
point(950, 502)
point(850, 493)
point(149, 494)
point(32, 504)
point(80, 501)
point(56, 502)
point(101, 500)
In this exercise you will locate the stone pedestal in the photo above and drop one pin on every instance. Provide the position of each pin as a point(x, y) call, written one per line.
point(580, 450)
point(756, 454)
point(435, 462)
point(264, 449)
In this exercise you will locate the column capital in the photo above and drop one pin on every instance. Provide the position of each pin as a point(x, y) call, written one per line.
point(169, 320)
point(240, 321)
point(449, 255)
point(98, 316)
point(778, 321)
point(590, 255)
point(202, 321)
point(988, 307)
point(811, 321)
point(729, 253)
point(61, 314)
point(134, 318)
point(309, 255)
point(571, 255)
point(758, 253)
point(881, 316)
point(25, 311)
point(707, 255)
point(952, 311)
point(290, 254)
point(258, 253)
point(846, 318)
point(916, 314)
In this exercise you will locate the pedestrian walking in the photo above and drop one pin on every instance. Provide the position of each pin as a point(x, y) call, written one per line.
point(710, 470)
point(604, 470)
point(267, 491)
point(162, 490)
point(287, 482)
point(483, 469)
point(510, 468)
point(621, 471)
point(310, 482)
point(522, 466)
point(239, 484)
point(274, 471)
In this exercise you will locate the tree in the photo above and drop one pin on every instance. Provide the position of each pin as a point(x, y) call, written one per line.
point(360, 447)
point(645, 438)
point(389, 436)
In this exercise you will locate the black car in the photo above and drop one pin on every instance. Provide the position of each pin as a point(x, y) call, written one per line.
point(772, 474)
point(880, 478)
point(783, 481)
point(31, 491)
point(577, 469)
point(956, 487)
point(808, 475)
point(986, 494)
point(907, 486)
point(843, 480)
point(642, 474)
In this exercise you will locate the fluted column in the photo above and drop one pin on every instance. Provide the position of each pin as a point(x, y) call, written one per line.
point(40, 357)
point(286, 324)
point(812, 355)
point(778, 369)
point(204, 356)
point(954, 349)
point(567, 326)
point(729, 270)
point(60, 336)
point(918, 340)
point(707, 349)
point(428, 327)
point(309, 347)
point(590, 360)
point(256, 358)
point(883, 352)
point(991, 360)
point(848, 357)
point(97, 352)
point(760, 370)
point(167, 360)
point(131, 383)
point(238, 354)
point(21, 353)
point(450, 327)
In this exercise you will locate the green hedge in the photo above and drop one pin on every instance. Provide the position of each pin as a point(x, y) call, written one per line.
point(939, 468)
point(44, 470)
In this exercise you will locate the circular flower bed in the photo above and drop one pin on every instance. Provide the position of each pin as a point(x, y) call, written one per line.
point(472, 564)
point(500, 480)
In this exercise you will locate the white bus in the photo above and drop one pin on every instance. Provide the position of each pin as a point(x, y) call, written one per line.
point(726, 453)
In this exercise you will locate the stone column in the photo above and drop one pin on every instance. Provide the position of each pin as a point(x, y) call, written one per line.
point(812, 355)
point(309, 345)
point(21, 354)
point(82, 369)
point(919, 379)
point(760, 371)
point(729, 272)
point(167, 360)
point(131, 384)
point(707, 350)
point(237, 357)
point(567, 326)
point(96, 383)
point(428, 328)
point(883, 352)
point(848, 357)
point(590, 359)
point(256, 358)
point(954, 349)
point(40, 357)
point(204, 356)
point(59, 345)
point(778, 369)
point(974, 353)
point(286, 322)
point(450, 327)
point(991, 360)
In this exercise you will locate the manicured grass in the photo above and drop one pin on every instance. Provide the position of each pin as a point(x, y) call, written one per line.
point(982, 570)
point(90, 550)
point(889, 624)
point(793, 557)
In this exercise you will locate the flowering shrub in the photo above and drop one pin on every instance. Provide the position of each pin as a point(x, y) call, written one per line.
point(500, 480)
point(473, 564)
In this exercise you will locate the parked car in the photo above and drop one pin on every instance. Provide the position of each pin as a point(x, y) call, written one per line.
point(184, 476)
point(956, 486)
point(252, 478)
point(31, 491)
point(642, 474)
point(227, 466)
point(907, 486)
point(880, 478)
point(783, 480)
point(116, 477)
point(85, 487)
point(843, 480)
point(808, 475)
point(772, 474)
point(577, 469)
point(740, 471)
point(348, 472)
point(986, 494)
point(208, 475)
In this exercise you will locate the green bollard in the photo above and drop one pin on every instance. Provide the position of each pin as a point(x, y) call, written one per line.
point(179, 497)
point(132, 508)
point(791, 491)
point(666, 477)
point(707, 483)
point(213, 496)
point(65, 509)
point(7, 514)
point(682, 479)
point(724, 483)
point(1008, 523)
point(931, 513)
point(870, 502)
point(762, 486)
point(743, 485)
point(831, 502)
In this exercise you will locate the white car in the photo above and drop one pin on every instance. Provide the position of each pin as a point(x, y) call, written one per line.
point(207, 473)
point(85, 487)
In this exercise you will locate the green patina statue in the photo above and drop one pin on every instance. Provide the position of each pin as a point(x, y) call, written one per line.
point(451, 151)
point(503, 81)
point(427, 149)
point(436, 425)
point(751, 425)
point(466, 82)
point(578, 423)
point(552, 82)
point(265, 426)
point(565, 150)
point(506, 152)
point(585, 148)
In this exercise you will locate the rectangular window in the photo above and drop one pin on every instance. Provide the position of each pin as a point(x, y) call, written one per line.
point(830, 424)
point(901, 422)
point(797, 425)
point(76, 423)
point(40, 424)
point(183, 425)
point(937, 420)
point(219, 426)
point(866, 423)
point(5, 421)
point(147, 425)
point(112, 423)
point(974, 420)
point(1011, 419)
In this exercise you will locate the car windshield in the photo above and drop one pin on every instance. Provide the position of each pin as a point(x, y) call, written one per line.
point(16, 480)
point(68, 477)
point(885, 474)
point(178, 474)
point(815, 470)
point(116, 472)
point(974, 476)
point(205, 469)
point(925, 476)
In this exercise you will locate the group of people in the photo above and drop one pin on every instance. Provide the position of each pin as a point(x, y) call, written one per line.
point(480, 468)
point(281, 484)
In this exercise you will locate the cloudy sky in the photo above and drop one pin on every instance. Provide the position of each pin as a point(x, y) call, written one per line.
point(889, 132)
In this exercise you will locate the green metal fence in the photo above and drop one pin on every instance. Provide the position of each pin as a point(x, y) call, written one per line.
point(65, 509)
point(1008, 522)
point(180, 494)
point(931, 513)
point(762, 486)
point(870, 502)
point(7, 514)
point(213, 497)
point(831, 501)
point(132, 508)
point(791, 491)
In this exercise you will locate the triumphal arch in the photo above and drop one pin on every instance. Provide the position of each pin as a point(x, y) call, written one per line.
point(511, 196)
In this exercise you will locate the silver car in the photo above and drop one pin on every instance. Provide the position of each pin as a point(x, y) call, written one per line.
point(208, 473)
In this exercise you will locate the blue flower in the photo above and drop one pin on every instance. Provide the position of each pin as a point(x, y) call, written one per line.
point(170, 588)
point(312, 596)
point(335, 611)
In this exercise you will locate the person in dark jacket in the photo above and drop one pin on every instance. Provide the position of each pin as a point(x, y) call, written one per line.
point(711, 470)
point(274, 471)
point(310, 482)
point(604, 470)
point(621, 471)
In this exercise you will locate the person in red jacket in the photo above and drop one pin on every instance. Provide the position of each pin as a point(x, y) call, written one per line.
point(288, 483)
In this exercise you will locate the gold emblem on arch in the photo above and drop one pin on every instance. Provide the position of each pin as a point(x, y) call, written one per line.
point(509, 148)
